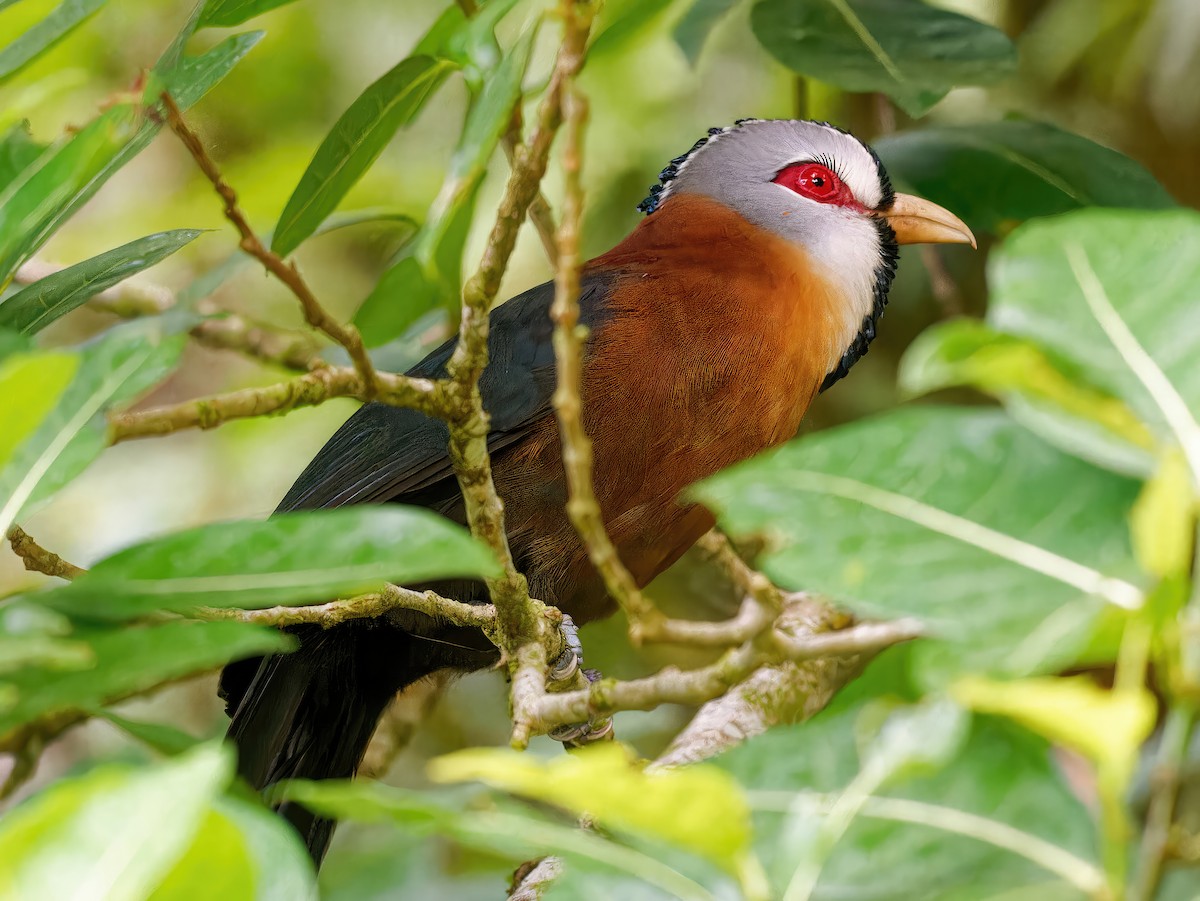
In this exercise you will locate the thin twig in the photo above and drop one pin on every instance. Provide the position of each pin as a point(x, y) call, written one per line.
point(37, 559)
point(364, 606)
point(233, 332)
point(1165, 780)
point(314, 313)
point(307, 390)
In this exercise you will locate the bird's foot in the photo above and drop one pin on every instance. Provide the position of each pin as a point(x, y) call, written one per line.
point(565, 675)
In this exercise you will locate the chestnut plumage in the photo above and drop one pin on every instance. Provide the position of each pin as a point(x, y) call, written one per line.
point(755, 280)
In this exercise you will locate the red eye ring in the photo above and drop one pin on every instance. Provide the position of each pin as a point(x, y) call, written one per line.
point(816, 182)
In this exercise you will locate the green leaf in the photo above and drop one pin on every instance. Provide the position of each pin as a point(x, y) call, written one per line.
point(354, 143)
point(111, 834)
point(32, 204)
point(697, 808)
point(1002, 774)
point(431, 275)
point(1108, 726)
point(18, 151)
point(132, 660)
point(998, 174)
point(697, 24)
point(158, 736)
point(1113, 292)
point(407, 290)
point(37, 305)
point(292, 558)
point(1163, 521)
point(227, 13)
point(1045, 394)
point(117, 368)
point(241, 851)
point(66, 176)
point(912, 52)
point(518, 835)
point(61, 21)
point(936, 513)
point(31, 385)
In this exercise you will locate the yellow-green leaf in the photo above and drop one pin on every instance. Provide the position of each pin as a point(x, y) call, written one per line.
point(31, 385)
point(1162, 521)
point(699, 808)
point(1106, 726)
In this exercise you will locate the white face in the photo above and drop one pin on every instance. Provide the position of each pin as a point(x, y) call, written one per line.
point(770, 172)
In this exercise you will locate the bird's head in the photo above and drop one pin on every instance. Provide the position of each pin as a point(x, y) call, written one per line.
point(822, 189)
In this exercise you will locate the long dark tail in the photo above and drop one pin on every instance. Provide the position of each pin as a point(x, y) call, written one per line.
point(310, 714)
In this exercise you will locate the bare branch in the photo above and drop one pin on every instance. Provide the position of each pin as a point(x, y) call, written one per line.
point(37, 559)
point(314, 313)
point(365, 606)
point(307, 390)
point(233, 332)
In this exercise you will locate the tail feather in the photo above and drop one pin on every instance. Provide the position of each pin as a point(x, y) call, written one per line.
point(310, 714)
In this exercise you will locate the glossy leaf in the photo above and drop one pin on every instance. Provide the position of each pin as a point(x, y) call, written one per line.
point(1001, 774)
point(31, 204)
point(697, 24)
point(431, 276)
point(518, 834)
point(937, 513)
point(31, 385)
point(1163, 521)
point(37, 305)
point(159, 736)
point(114, 370)
point(18, 151)
point(111, 834)
point(1108, 726)
point(131, 660)
point(995, 175)
point(244, 852)
point(292, 558)
point(906, 49)
point(1114, 293)
point(354, 143)
point(1042, 392)
point(697, 808)
point(60, 22)
point(227, 13)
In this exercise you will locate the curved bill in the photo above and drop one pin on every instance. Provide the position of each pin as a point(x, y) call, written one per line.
point(917, 221)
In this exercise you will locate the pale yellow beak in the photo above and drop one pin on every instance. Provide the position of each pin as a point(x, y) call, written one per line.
point(917, 221)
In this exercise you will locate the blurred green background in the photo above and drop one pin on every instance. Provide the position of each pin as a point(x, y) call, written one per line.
point(1121, 72)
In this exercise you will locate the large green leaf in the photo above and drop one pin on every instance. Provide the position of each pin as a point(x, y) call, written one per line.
point(912, 52)
point(289, 559)
point(354, 143)
point(114, 370)
point(227, 13)
point(431, 274)
point(960, 518)
point(110, 835)
point(61, 21)
point(127, 661)
point(1001, 775)
point(1113, 292)
point(997, 174)
point(18, 150)
point(1041, 391)
point(37, 305)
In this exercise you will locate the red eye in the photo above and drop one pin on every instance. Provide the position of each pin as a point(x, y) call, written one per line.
point(816, 182)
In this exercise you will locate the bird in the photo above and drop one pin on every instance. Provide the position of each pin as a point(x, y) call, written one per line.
point(754, 281)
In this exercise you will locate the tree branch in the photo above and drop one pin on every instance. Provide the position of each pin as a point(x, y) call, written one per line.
point(37, 559)
point(314, 313)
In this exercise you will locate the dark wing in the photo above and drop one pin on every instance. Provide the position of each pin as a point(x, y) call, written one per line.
point(384, 453)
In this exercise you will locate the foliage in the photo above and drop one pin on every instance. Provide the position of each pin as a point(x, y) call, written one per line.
point(1051, 532)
